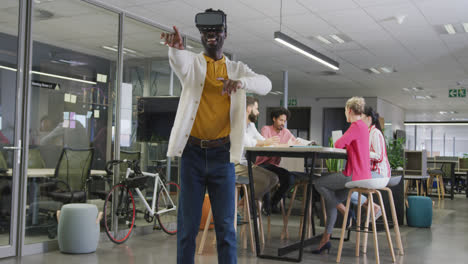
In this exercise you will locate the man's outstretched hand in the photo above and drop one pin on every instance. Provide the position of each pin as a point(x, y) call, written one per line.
point(230, 86)
point(173, 40)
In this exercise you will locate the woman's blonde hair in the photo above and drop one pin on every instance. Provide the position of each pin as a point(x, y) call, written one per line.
point(356, 104)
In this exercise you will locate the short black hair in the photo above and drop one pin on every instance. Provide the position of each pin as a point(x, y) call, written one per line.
point(251, 101)
point(280, 111)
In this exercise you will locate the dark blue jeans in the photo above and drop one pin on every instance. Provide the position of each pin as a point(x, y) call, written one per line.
point(203, 169)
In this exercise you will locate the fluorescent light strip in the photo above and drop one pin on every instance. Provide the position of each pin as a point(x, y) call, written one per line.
point(374, 70)
point(335, 37)
point(7, 68)
point(465, 26)
point(305, 50)
point(450, 29)
point(51, 75)
point(324, 40)
point(436, 124)
point(62, 77)
point(386, 69)
point(109, 48)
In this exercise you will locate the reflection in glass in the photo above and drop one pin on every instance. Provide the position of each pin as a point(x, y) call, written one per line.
point(72, 86)
point(147, 73)
point(9, 10)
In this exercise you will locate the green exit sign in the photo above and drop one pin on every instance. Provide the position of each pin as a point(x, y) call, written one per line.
point(291, 102)
point(457, 92)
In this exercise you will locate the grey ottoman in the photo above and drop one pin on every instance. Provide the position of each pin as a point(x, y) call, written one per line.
point(78, 228)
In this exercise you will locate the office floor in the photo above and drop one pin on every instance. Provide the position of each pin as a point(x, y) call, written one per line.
point(445, 242)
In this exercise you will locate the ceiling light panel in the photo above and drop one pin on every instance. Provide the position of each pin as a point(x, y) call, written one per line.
point(324, 40)
point(337, 38)
point(387, 69)
point(465, 27)
point(450, 29)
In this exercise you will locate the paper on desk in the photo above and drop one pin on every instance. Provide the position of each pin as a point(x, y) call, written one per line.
point(303, 142)
point(336, 135)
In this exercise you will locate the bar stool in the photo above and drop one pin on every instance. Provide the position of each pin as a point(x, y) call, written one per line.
point(438, 175)
point(370, 187)
point(297, 185)
point(241, 184)
point(394, 181)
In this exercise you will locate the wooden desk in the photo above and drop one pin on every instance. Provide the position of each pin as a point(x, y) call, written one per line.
point(305, 153)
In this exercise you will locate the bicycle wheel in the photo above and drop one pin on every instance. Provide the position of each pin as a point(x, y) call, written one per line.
point(168, 199)
point(119, 219)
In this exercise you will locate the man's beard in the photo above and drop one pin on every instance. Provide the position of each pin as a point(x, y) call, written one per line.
point(253, 118)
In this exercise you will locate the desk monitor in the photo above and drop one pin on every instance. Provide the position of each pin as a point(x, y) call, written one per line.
point(156, 118)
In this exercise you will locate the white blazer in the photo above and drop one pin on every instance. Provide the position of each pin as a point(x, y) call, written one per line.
point(191, 70)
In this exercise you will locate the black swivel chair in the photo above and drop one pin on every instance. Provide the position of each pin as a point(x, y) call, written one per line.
point(72, 171)
point(67, 186)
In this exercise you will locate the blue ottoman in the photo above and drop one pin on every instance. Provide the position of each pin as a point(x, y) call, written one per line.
point(419, 211)
point(78, 228)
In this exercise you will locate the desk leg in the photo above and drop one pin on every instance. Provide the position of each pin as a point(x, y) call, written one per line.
point(252, 202)
point(452, 186)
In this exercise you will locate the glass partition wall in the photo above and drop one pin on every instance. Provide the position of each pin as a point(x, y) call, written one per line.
point(146, 76)
point(73, 81)
point(87, 67)
point(449, 139)
point(9, 13)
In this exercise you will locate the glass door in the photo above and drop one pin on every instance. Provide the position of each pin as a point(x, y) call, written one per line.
point(9, 126)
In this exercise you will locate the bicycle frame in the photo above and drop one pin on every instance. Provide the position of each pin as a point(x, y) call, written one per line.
point(157, 182)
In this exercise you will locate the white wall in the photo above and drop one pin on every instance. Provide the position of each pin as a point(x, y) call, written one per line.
point(391, 113)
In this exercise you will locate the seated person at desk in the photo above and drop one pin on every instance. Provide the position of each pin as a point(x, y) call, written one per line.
point(378, 150)
point(378, 154)
point(332, 187)
point(279, 117)
point(264, 179)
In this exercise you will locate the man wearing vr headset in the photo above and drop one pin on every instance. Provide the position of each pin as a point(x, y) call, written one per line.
point(208, 132)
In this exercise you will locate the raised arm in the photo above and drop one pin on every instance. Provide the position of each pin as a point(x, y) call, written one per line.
point(179, 59)
point(253, 82)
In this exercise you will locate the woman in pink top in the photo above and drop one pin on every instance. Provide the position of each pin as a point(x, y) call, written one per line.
point(332, 187)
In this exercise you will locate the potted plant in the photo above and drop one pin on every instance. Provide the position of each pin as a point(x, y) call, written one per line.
point(333, 165)
point(396, 155)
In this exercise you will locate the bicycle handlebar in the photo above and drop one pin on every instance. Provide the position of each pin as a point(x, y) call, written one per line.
point(132, 164)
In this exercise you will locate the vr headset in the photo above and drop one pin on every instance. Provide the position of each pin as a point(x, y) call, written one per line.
point(211, 20)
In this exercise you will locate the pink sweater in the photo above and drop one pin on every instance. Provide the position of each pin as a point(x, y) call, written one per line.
point(268, 132)
point(356, 142)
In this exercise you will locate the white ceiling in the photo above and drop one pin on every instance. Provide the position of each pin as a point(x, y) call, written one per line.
point(421, 56)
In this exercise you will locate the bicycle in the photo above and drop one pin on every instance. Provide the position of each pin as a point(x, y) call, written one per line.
point(119, 217)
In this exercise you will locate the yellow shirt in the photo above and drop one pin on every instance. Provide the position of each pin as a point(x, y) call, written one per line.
point(213, 115)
